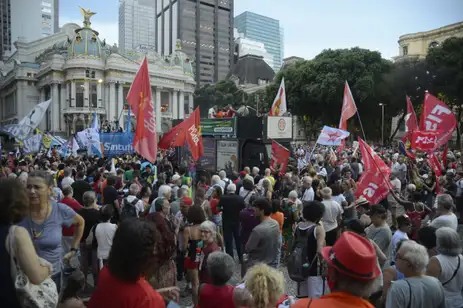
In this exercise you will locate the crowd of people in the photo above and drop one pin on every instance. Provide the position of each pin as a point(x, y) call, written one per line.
point(126, 232)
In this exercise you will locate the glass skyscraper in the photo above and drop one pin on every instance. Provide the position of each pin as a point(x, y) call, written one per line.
point(265, 30)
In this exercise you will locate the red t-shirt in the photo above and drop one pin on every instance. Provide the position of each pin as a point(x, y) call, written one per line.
point(73, 204)
point(214, 209)
point(213, 297)
point(112, 292)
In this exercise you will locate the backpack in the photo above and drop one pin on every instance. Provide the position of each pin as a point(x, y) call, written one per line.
point(129, 210)
point(287, 209)
point(298, 267)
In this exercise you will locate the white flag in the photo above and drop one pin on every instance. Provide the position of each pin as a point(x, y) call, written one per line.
point(27, 125)
point(32, 144)
point(74, 147)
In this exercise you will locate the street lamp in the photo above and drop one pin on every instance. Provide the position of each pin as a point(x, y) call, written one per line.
point(382, 122)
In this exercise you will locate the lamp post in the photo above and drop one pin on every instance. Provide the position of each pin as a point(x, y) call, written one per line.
point(382, 122)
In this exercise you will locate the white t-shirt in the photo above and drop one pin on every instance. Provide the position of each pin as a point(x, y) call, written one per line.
point(104, 233)
point(332, 211)
point(397, 185)
point(450, 221)
point(397, 237)
point(67, 181)
point(138, 206)
point(309, 195)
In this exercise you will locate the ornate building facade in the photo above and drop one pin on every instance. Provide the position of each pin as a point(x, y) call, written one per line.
point(83, 75)
point(416, 45)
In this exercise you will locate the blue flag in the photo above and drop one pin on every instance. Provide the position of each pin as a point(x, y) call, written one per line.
point(95, 123)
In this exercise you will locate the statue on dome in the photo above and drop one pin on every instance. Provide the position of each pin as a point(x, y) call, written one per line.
point(87, 15)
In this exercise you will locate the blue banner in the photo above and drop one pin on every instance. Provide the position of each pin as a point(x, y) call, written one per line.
point(117, 143)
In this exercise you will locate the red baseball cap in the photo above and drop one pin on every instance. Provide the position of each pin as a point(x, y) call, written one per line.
point(187, 201)
point(354, 256)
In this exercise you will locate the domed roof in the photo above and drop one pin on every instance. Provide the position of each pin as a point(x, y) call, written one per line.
point(86, 43)
point(179, 58)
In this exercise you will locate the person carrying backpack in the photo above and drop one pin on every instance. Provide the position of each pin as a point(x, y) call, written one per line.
point(132, 206)
point(304, 264)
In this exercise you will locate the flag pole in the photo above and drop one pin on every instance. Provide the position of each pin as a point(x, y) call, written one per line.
point(361, 125)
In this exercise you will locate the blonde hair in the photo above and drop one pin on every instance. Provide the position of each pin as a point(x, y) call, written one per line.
point(265, 284)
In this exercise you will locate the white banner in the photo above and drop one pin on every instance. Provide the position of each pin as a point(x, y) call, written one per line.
point(279, 127)
point(32, 144)
point(27, 125)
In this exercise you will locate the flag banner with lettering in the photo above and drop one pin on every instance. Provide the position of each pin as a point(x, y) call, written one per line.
point(279, 159)
point(26, 126)
point(192, 130)
point(32, 144)
point(90, 138)
point(140, 100)
point(372, 162)
point(332, 136)
point(115, 144)
point(437, 116)
point(372, 186)
point(279, 107)
point(424, 141)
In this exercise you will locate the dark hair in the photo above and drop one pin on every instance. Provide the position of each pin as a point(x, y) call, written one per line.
point(112, 180)
point(96, 176)
point(182, 170)
point(106, 212)
point(196, 215)
point(427, 237)
point(313, 210)
point(131, 253)
point(14, 201)
point(47, 178)
point(264, 205)
point(158, 204)
point(67, 190)
point(119, 171)
point(276, 206)
point(80, 174)
point(248, 184)
point(144, 192)
point(356, 226)
point(218, 192)
point(74, 284)
point(336, 189)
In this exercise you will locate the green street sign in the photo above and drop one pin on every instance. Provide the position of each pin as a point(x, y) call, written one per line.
point(218, 127)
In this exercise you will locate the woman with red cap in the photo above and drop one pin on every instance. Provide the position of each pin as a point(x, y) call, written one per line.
point(351, 274)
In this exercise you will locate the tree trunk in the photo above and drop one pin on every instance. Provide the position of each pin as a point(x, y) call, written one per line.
point(397, 128)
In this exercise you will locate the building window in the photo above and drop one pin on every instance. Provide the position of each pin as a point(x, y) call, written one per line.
point(434, 44)
point(405, 50)
point(93, 95)
point(80, 94)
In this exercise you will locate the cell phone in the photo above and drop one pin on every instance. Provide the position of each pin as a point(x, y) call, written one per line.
point(173, 304)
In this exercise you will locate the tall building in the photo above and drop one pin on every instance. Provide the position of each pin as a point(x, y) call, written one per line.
point(204, 29)
point(416, 45)
point(28, 20)
point(265, 30)
point(136, 25)
point(245, 46)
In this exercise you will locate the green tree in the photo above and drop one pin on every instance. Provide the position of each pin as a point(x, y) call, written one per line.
point(221, 94)
point(445, 63)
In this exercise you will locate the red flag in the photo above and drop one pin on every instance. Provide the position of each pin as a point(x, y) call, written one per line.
point(192, 131)
point(372, 162)
point(444, 156)
point(435, 165)
point(411, 122)
point(140, 100)
point(424, 140)
point(372, 186)
point(173, 138)
point(437, 116)
point(280, 156)
point(348, 107)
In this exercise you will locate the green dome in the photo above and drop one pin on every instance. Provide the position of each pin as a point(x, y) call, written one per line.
point(86, 43)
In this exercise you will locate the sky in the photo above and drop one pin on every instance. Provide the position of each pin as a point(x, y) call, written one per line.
point(311, 26)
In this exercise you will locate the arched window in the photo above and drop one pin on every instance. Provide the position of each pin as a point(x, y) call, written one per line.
point(434, 44)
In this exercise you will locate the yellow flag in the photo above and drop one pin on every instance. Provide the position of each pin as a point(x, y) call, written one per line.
point(46, 141)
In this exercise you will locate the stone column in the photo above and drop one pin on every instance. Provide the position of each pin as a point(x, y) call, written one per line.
point(120, 105)
point(99, 96)
point(72, 103)
point(86, 93)
point(112, 102)
point(190, 103)
point(43, 123)
point(181, 103)
point(62, 106)
point(157, 106)
point(106, 100)
point(54, 108)
point(175, 105)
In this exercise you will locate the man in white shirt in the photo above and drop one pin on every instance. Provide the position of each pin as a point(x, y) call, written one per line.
point(67, 180)
point(309, 194)
point(133, 191)
point(445, 216)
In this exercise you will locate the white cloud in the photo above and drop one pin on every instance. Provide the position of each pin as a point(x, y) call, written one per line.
point(108, 31)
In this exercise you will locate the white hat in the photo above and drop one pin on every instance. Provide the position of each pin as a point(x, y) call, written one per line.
point(175, 177)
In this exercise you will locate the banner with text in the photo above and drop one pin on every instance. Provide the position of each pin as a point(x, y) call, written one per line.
point(117, 143)
point(218, 127)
